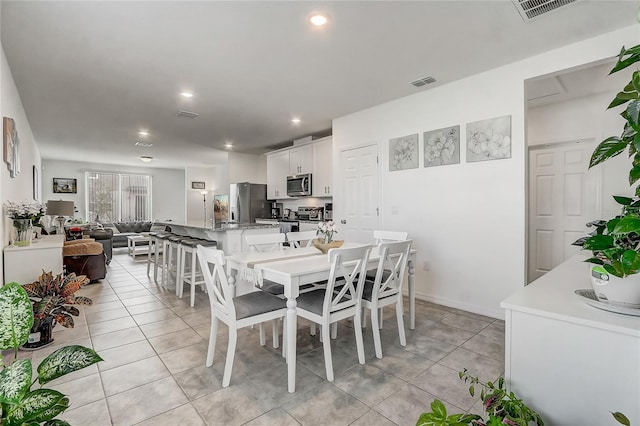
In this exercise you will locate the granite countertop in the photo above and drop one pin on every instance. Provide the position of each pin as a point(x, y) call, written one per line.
point(221, 227)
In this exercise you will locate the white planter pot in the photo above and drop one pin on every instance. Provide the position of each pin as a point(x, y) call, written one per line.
point(618, 291)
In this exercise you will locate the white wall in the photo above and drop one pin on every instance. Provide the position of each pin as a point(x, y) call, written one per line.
point(247, 168)
point(466, 220)
point(168, 194)
point(19, 188)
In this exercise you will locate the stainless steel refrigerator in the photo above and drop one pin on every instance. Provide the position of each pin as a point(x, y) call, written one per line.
point(248, 201)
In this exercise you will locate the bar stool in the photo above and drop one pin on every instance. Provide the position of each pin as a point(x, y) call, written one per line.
point(152, 254)
point(194, 278)
point(162, 243)
point(168, 246)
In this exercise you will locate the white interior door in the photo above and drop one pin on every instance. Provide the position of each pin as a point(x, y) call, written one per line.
point(563, 195)
point(358, 212)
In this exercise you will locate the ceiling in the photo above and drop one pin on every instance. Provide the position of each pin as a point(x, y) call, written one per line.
point(92, 74)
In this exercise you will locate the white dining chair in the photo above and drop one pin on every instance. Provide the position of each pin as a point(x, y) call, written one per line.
point(262, 243)
point(386, 288)
point(236, 312)
point(300, 238)
point(326, 306)
point(265, 242)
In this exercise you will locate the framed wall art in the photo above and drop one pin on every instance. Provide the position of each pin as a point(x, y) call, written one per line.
point(489, 139)
point(442, 146)
point(11, 145)
point(403, 153)
point(197, 185)
point(65, 186)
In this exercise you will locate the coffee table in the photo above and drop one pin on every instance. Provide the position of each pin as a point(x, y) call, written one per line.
point(134, 250)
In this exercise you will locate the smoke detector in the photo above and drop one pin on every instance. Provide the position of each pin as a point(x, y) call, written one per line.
point(529, 9)
point(187, 114)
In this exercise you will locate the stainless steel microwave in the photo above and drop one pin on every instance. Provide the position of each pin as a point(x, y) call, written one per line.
point(299, 185)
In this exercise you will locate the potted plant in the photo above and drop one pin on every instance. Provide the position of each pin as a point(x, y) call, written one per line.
point(21, 405)
point(52, 297)
point(325, 241)
point(24, 216)
point(502, 408)
point(615, 243)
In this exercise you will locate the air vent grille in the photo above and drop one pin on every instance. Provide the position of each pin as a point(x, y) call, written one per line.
point(143, 144)
point(423, 81)
point(530, 9)
point(187, 114)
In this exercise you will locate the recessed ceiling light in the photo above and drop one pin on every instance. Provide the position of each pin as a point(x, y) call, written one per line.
point(186, 94)
point(318, 20)
point(295, 120)
point(146, 159)
point(143, 144)
point(228, 145)
point(143, 133)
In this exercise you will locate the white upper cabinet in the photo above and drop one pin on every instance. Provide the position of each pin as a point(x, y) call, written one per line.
point(322, 179)
point(300, 160)
point(315, 158)
point(277, 172)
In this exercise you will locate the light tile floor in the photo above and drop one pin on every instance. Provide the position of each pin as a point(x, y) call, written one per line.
point(154, 346)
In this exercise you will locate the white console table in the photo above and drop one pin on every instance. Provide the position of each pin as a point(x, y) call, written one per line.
point(25, 264)
point(571, 362)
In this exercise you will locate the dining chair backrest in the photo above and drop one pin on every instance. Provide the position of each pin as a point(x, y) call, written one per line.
point(212, 263)
point(265, 242)
point(300, 239)
point(393, 258)
point(385, 236)
point(349, 265)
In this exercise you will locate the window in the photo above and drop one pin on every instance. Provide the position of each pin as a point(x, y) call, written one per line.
point(114, 197)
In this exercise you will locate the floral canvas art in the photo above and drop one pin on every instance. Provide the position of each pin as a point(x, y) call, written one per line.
point(489, 139)
point(403, 153)
point(442, 146)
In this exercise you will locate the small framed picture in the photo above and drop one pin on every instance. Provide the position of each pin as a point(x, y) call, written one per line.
point(65, 186)
point(197, 185)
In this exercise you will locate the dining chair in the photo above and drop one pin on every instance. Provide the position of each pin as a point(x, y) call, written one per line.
point(386, 288)
point(236, 312)
point(265, 242)
point(326, 306)
point(262, 243)
point(300, 238)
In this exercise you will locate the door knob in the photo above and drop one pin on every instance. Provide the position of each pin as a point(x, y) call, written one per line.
point(343, 221)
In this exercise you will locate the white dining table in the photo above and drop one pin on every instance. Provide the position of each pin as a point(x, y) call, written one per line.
point(293, 268)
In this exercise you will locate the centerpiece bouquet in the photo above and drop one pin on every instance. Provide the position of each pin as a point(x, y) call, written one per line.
point(24, 215)
point(325, 233)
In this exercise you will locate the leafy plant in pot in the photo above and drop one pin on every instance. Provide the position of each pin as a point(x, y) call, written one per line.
point(615, 243)
point(21, 405)
point(52, 297)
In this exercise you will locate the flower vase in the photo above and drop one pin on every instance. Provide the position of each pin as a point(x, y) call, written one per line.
point(324, 247)
point(24, 231)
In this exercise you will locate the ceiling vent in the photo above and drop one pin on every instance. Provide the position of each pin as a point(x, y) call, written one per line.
point(187, 114)
point(423, 81)
point(143, 144)
point(530, 9)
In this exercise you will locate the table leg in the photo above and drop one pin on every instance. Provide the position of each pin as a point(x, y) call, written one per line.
point(412, 295)
point(292, 328)
point(231, 277)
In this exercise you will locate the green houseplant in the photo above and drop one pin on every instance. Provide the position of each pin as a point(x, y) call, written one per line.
point(20, 405)
point(502, 408)
point(615, 243)
point(52, 297)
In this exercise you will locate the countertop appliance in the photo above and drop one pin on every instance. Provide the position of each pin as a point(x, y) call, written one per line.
point(248, 201)
point(310, 213)
point(328, 211)
point(299, 185)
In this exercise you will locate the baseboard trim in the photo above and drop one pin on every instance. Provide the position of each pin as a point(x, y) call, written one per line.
point(481, 310)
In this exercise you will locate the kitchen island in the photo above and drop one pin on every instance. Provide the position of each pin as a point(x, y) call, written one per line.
point(571, 362)
point(229, 236)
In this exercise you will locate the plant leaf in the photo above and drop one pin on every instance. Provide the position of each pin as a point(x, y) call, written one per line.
point(55, 422)
point(627, 224)
point(16, 316)
point(33, 405)
point(64, 361)
point(621, 418)
point(623, 63)
point(625, 201)
point(49, 414)
point(630, 262)
point(15, 381)
point(622, 98)
point(438, 408)
point(608, 148)
point(598, 242)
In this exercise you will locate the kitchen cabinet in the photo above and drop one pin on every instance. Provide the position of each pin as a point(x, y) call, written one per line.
point(300, 159)
point(277, 172)
point(322, 178)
